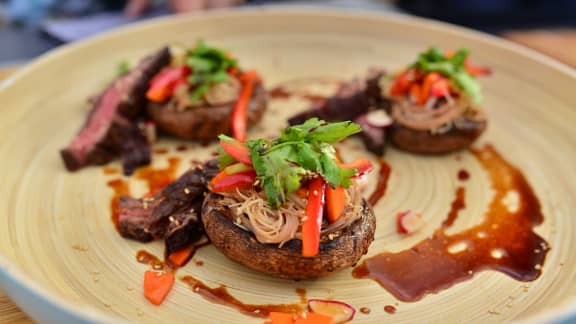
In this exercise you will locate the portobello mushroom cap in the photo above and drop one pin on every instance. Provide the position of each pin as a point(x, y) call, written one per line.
point(426, 142)
point(342, 251)
point(205, 123)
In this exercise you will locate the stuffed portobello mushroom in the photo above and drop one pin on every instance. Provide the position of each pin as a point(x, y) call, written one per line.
point(435, 103)
point(204, 93)
point(288, 207)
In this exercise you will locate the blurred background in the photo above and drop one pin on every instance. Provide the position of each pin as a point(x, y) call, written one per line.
point(29, 28)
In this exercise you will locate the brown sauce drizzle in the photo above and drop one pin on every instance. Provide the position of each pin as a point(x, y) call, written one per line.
point(158, 179)
point(181, 148)
point(458, 204)
point(221, 296)
point(281, 93)
point(120, 188)
point(390, 309)
point(504, 241)
point(150, 259)
point(383, 176)
point(110, 170)
point(302, 293)
point(365, 310)
point(161, 150)
point(463, 175)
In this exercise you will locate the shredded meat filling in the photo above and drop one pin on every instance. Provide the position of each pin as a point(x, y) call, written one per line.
point(251, 212)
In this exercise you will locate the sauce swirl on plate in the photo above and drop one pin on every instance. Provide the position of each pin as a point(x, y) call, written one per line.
point(504, 241)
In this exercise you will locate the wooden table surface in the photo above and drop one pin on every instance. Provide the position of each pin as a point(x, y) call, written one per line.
point(559, 44)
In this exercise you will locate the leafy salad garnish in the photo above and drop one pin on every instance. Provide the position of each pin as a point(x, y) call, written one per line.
point(453, 67)
point(302, 151)
point(209, 66)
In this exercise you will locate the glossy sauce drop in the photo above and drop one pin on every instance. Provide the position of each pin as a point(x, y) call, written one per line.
point(365, 310)
point(504, 241)
point(221, 296)
point(161, 150)
point(158, 179)
point(463, 175)
point(110, 170)
point(120, 188)
point(390, 309)
point(382, 184)
point(150, 259)
point(302, 293)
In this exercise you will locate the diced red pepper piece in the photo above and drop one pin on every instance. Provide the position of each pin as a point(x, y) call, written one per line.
point(429, 80)
point(238, 180)
point(180, 257)
point(163, 84)
point(440, 88)
point(281, 318)
point(361, 166)
point(237, 150)
point(314, 318)
point(313, 221)
point(401, 84)
point(240, 110)
point(157, 285)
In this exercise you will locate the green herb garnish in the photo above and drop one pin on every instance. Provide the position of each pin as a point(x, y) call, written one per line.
point(300, 152)
point(122, 68)
point(454, 68)
point(209, 66)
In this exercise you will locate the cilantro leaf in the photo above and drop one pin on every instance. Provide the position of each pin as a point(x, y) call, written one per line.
point(209, 66)
point(123, 68)
point(302, 151)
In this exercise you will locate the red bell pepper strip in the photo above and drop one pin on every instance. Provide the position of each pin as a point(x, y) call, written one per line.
point(157, 285)
point(238, 180)
point(476, 70)
point(163, 84)
point(218, 177)
point(361, 166)
point(240, 111)
point(237, 150)
point(401, 84)
point(313, 220)
point(440, 88)
point(335, 202)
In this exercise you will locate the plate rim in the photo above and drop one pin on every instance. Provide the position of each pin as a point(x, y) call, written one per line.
point(11, 278)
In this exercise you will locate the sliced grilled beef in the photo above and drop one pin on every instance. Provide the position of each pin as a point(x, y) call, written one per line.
point(353, 101)
point(135, 150)
point(184, 229)
point(173, 214)
point(133, 218)
point(112, 119)
point(349, 102)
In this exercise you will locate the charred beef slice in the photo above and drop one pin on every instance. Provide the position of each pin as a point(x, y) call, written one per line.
point(112, 119)
point(353, 101)
point(173, 214)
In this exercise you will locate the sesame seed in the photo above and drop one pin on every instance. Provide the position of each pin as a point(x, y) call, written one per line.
point(187, 191)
